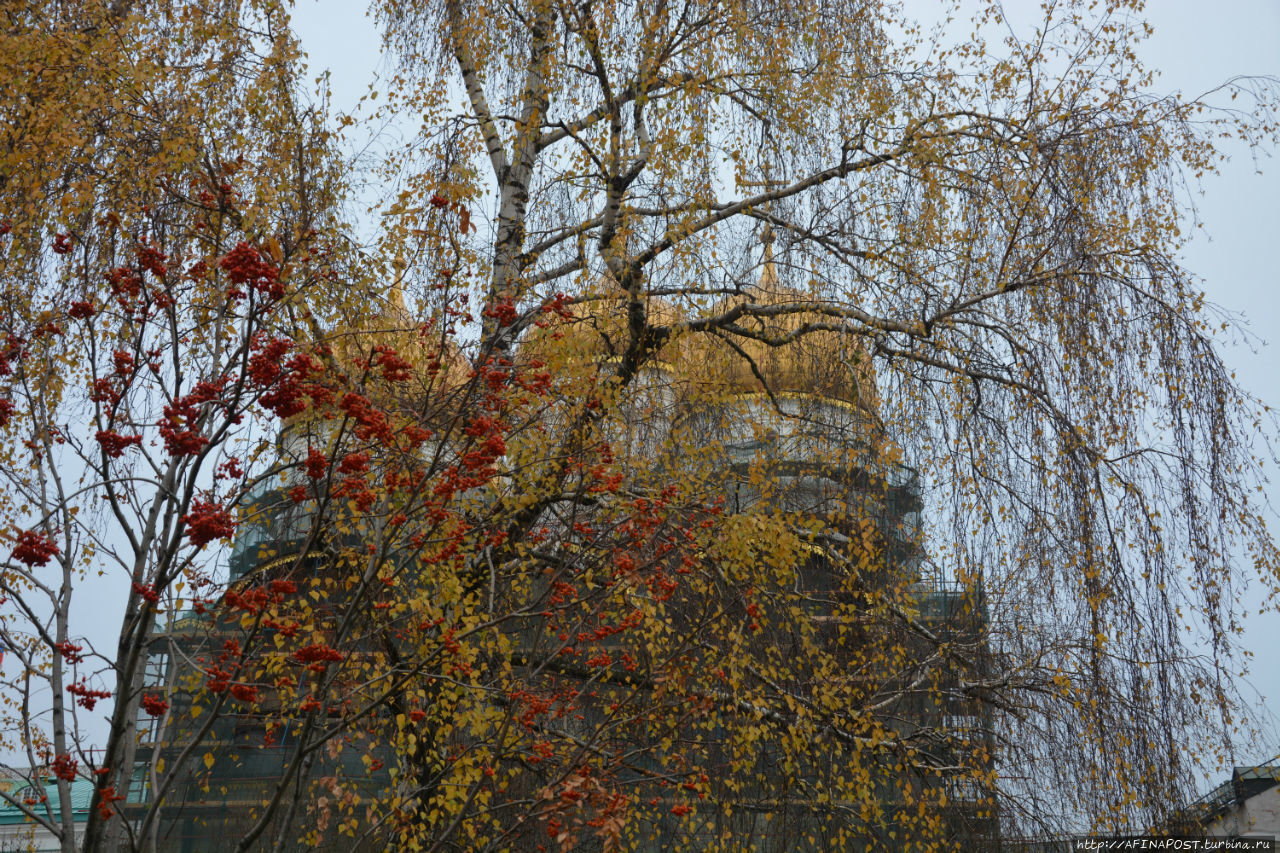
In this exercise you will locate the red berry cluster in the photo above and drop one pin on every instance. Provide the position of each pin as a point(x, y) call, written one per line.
point(34, 548)
point(64, 767)
point(154, 704)
point(245, 265)
point(208, 521)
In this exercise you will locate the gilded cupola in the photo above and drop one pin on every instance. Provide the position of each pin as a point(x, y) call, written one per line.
point(779, 344)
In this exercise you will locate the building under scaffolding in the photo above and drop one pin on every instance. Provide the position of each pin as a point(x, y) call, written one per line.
point(792, 429)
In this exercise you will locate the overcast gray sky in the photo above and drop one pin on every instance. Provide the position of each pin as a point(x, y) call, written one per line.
point(1196, 48)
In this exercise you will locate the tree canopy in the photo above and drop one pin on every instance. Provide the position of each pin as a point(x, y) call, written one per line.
point(750, 426)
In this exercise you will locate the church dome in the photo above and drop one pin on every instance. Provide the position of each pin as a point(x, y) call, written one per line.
point(599, 330)
point(784, 350)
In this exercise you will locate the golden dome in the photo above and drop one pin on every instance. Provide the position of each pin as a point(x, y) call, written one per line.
point(599, 331)
point(382, 349)
point(827, 363)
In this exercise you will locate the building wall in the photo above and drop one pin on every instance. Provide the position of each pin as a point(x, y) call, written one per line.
point(1258, 815)
point(29, 838)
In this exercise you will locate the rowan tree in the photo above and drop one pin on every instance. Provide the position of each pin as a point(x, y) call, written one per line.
point(150, 250)
point(753, 426)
